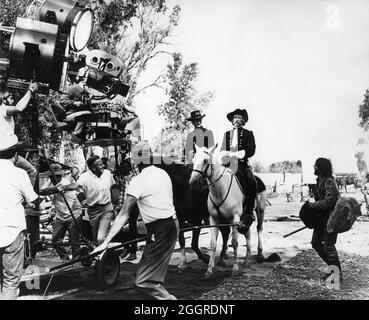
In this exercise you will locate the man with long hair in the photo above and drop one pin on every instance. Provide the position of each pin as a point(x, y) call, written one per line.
point(326, 195)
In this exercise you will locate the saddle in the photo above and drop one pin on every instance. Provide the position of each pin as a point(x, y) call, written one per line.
point(260, 186)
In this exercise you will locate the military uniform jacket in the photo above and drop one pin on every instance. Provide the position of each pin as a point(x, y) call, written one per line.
point(245, 139)
point(202, 137)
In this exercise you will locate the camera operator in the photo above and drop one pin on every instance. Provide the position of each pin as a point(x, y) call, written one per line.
point(74, 100)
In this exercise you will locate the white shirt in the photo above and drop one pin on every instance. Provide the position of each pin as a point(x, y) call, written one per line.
point(6, 123)
point(234, 138)
point(15, 187)
point(97, 189)
point(63, 213)
point(153, 190)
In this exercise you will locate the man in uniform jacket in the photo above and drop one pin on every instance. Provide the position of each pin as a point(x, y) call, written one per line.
point(237, 147)
point(201, 136)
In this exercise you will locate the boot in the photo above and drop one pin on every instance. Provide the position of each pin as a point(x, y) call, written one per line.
point(246, 221)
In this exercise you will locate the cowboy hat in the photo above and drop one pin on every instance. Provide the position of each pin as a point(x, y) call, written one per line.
point(56, 169)
point(10, 143)
point(240, 112)
point(195, 115)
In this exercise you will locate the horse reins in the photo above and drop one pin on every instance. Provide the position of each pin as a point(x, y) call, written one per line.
point(203, 173)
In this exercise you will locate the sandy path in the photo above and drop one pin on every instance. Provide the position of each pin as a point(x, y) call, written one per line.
point(192, 284)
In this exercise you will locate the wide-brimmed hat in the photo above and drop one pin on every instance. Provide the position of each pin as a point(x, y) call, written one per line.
point(56, 169)
point(195, 115)
point(9, 143)
point(241, 112)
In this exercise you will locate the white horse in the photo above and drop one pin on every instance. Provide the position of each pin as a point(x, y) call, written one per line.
point(225, 204)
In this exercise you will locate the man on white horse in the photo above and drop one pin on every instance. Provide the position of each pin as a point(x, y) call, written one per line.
point(239, 145)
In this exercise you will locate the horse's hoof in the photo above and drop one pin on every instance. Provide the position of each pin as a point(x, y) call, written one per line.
point(208, 274)
point(260, 258)
point(235, 271)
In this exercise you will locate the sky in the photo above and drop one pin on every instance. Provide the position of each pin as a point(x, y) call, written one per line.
point(300, 69)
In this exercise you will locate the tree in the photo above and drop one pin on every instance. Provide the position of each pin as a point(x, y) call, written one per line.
point(360, 156)
point(258, 167)
point(182, 98)
point(286, 166)
point(136, 31)
point(364, 112)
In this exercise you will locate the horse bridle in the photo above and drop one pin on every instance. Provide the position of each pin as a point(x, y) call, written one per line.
point(203, 174)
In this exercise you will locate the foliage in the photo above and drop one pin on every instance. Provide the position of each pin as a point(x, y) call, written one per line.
point(286, 166)
point(179, 83)
point(258, 167)
point(364, 112)
point(135, 30)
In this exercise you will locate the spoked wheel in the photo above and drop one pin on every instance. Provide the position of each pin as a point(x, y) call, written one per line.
point(107, 269)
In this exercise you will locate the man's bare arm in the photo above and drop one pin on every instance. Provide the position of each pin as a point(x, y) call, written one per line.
point(22, 103)
point(119, 222)
point(122, 217)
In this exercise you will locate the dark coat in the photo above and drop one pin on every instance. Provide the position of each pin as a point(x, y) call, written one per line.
point(326, 195)
point(246, 141)
point(202, 137)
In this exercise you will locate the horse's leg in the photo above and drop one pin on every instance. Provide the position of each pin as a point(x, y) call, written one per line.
point(235, 268)
point(195, 246)
point(225, 231)
point(213, 246)
point(260, 210)
point(182, 244)
point(248, 248)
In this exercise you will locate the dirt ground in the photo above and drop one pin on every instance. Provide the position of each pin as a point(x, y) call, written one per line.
point(296, 276)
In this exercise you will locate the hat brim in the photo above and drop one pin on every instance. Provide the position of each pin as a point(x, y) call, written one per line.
point(197, 118)
point(233, 113)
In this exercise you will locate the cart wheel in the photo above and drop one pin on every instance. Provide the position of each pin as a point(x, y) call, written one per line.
point(107, 269)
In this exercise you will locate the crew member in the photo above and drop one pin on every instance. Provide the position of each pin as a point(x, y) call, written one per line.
point(15, 187)
point(74, 103)
point(63, 221)
point(96, 184)
point(152, 191)
point(7, 111)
